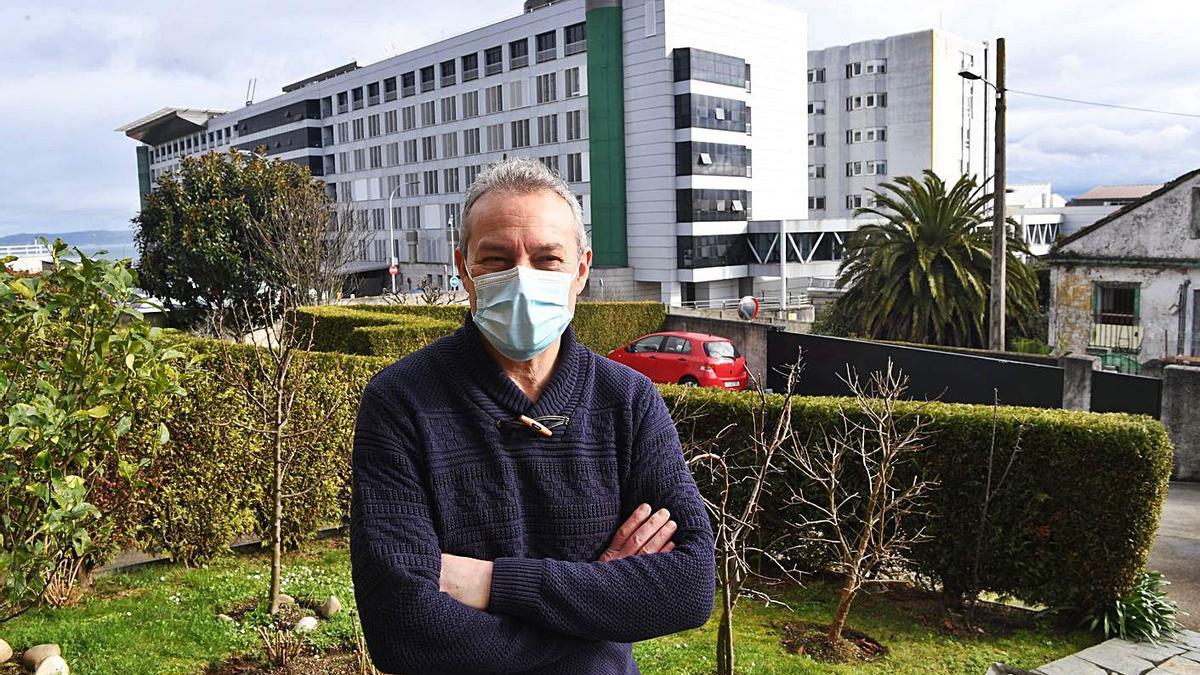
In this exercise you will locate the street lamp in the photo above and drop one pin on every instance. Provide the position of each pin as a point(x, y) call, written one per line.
point(392, 238)
point(997, 305)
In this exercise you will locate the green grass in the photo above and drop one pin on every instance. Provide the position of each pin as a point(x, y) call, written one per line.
point(162, 620)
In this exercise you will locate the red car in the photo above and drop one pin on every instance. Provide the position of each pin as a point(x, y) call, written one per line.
point(696, 359)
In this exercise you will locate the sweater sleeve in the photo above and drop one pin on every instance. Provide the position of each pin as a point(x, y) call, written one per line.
point(408, 623)
point(634, 598)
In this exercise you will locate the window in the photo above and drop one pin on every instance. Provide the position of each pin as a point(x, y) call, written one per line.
point(450, 144)
point(550, 162)
point(450, 180)
point(574, 167)
point(816, 203)
point(875, 66)
point(413, 218)
point(376, 156)
point(816, 171)
point(518, 53)
point(357, 126)
point(520, 133)
point(816, 140)
point(377, 222)
point(408, 84)
point(389, 89)
point(699, 158)
point(449, 109)
point(571, 84)
point(853, 70)
point(868, 135)
point(412, 186)
point(816, 75)
point(373, 93)
point(389, 122)
point(516, 94)
point(470, 104)
point(854, 201)
point(706, 205)
point(360, 159)
point(429, 148)
point(710, 112)
point(410, 151)
point(697, 64)
point(342, 104)
point(408, 115)
point(494, 99)
point(547, 46)
point(816, 107)
point(1115, 304)
point(575, 39)
point(470, 141)
point(677, 345)
point(547, 90)
point(495, 137)
point(393, 154)
point(649, 344)
point(447, 69)
point(470, 173)
point(373, 125)
point(428, 114)
point(470, 67)
point(431, 182)
point(427, 78)
point(343, 162)
point(875, 100)
point(493, 60)
point(343, 132)
point(356, 98)
point(574, 125)
point(547, 129)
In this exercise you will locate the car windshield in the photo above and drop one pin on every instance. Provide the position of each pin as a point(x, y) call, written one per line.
point(721, 350)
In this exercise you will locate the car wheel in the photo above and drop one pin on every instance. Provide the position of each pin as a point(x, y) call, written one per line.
point(689, 381)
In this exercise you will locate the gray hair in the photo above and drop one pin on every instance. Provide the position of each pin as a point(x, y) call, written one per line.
point(519, 175)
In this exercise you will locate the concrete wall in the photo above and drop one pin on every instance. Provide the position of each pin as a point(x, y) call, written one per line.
point(1181, 392)
point(750, 338)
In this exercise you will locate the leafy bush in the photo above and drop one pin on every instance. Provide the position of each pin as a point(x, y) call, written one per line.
point(1073, 524)
point(1030, 346)
point(78, 369)
point(1143, 615)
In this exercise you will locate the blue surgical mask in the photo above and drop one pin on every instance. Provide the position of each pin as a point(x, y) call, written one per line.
point(522, 310)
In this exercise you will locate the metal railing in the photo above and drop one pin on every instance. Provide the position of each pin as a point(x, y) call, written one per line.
point(1121, 337)
point(24, 250)
point(764, 302)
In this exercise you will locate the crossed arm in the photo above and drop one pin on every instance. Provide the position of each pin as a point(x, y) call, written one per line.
point(425, 611)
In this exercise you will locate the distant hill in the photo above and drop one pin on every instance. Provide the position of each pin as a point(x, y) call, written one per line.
point(118, 243)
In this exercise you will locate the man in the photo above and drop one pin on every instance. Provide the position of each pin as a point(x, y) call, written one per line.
point(503, 476)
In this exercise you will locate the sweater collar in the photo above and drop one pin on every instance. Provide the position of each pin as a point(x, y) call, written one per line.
point(557, 397)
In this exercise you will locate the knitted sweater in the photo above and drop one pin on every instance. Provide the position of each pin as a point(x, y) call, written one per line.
point(440, 465)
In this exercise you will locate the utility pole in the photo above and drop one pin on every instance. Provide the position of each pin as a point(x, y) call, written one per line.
point(999, 227)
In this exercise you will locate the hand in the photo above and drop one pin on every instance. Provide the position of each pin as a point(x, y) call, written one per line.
point(643, 533)
point(467, 580)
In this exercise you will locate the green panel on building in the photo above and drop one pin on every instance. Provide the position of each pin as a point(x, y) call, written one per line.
point(606, 122)
point(143, 160)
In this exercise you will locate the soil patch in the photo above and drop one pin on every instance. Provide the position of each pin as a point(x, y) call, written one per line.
point(338, 662)
point(802, 637)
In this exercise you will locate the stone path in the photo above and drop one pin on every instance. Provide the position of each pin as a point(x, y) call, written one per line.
point(1178, 656)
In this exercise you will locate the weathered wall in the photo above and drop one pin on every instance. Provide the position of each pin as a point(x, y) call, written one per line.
point(1181, 393)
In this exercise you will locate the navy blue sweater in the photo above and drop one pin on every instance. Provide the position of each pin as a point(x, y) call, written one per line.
point(440, 465)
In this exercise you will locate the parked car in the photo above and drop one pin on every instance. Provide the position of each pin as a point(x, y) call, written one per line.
point(696, 359)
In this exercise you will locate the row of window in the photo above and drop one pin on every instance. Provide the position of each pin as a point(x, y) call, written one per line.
point(497, 98)
point(695, 158)
point(817, 203)
point(195, 142)
point(706, 205)
point(499, 137)
point(723, 250)
point(859, 102)
point(697, 64)
point(711, 112)
point(865, 135)
point(853, 70)
point(463, 69)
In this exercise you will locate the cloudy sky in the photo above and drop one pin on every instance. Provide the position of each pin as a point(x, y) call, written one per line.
point(74, 71)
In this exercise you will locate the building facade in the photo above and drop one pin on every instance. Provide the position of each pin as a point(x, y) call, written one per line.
point(894, 107)
point(1127, 287)
point(676, 122)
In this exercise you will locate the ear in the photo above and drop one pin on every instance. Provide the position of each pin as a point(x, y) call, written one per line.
point(582, 272)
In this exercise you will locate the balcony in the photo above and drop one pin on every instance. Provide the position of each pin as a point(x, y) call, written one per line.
point(493, 68)
point(470, 74)
point(547, 55)
point(575, 47)
point(1118, 333)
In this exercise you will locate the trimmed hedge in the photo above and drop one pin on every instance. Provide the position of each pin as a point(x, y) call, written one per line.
point(1072, 525)
point(396, 330)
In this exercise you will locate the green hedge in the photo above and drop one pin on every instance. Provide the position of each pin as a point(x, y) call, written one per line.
point(396, 330)
point(1072, 525)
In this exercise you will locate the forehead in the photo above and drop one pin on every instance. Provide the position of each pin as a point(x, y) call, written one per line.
point(541, 217)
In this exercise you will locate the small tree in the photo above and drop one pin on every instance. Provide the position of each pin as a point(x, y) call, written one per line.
point(856, 500)
point(305, 245)
point(78, 369)
point(742, 478)
point(195, 235)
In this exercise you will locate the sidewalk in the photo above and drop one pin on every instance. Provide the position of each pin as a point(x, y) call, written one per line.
point(1179, 656)
point(1176, 551)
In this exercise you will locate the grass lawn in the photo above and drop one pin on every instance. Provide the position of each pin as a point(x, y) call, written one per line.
point(162, 620)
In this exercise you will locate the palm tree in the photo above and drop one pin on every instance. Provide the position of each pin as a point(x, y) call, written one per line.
point(924, 273)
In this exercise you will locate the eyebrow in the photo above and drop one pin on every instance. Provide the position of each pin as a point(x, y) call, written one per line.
point(493, 247)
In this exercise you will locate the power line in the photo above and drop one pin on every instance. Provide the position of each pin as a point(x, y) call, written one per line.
point(1106, 105)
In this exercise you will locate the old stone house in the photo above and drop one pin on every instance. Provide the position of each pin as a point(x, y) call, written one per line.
point(1127, 287)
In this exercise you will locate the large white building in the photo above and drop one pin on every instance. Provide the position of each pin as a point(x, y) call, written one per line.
point(643, 106)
